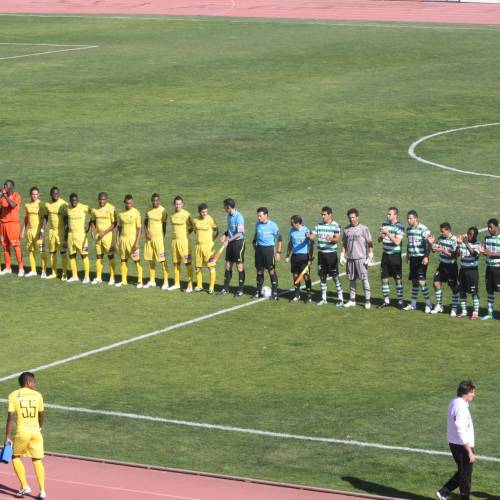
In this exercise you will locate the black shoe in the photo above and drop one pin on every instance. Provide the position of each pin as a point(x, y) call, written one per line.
point(308, 299)
point(238, 293)
point(224, 291)
point(401, 305)
point(274, 296)
point(257, 295)
point(384, 305)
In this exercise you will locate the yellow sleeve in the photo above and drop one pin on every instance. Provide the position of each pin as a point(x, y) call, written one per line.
point(138, 222)
point(11, 407)
point(87, 209)
point(113, 216)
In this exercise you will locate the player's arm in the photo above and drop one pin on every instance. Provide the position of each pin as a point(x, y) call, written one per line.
point(280, 244)
point(164, 225)
point(41, 418)
point(190, 225)
point(118, 236)
point(11, 201)
point(25, 224)
point(147, 234)
point(288, 248)
point(86, 227)
point(254, 241)
point(9, 426)
point(310, 251)
point(215, 231)
point(93, 226)
point(66, 226)
point(138, 231)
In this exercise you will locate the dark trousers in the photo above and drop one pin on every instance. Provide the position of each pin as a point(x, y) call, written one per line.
point(463, 477)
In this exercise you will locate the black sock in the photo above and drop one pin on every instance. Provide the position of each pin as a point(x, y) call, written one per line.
point(227, 278)
point(260, 282)
point(241, 278)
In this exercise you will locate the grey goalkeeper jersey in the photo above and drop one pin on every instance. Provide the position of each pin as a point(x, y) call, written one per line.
point(355, 239)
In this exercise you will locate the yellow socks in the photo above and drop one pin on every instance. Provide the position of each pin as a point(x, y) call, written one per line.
point(164, 268)
point(138, 268)
point(31, 258)
point(199, 278)
point(53, 262)
point(86, 266)
point(74, 269)
point(177, 274)
point(212, 278)
point(40, 473)
point(152, 271)
point(190, 274)
point(98, 268)
point(43, 256)
point(124, 269)
point(112, 269)
point(20, 471)
point(64, 259)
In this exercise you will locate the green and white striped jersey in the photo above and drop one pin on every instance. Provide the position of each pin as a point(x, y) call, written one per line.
point(323, 231)
point(492, 243)
point(417, 240)
point(396, 230)
point(449, 244)
point(469, 260)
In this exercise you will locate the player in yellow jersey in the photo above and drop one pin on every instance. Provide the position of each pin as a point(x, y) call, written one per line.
point(76, 230)
point(206, 230)
point(34, 230)
point(25, 408)
point(102, 224)
point(155, 224)
point(129, 236)
point(54, 216)
point(182, 227)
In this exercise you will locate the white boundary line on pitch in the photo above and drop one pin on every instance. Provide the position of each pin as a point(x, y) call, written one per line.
point(69, 49)
point(261, 20)
point(256, 432)
point(413, 146)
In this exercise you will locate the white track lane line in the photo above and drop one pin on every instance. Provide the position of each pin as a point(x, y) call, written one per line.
point(81, 47)
point(413, 146)
point(257, 432)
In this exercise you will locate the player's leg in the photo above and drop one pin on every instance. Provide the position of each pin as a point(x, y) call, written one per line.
point(363, 274)
point(295, 269)
point(273, 275)
point(351, 276)
point(397, 274)
point(43, 257)
point(228, 274)
point(20, 448)
point(99, 258)
point(164, 270)
point(112, 267)
point(322, 273)
point(30, 248)
point(308, 282)
point(259, 267)
point(40, 475)
point(20, 471)
point(438, 291)
point(189, 268)
point(74, 268)
point(86, 269)
point(452, 280)
point(176, 260)
point(151, 258)
point(199, 262)
point(211, 264)
point(490, 290)
point(413, 277)
point(124, 272)
point(384, 277)
point(14, 239)
point(152, 274)
point(138, 267)
point(240, 267)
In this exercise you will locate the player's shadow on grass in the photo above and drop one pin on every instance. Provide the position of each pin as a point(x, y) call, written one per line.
point(482, 494)
point(380, 489)
point(7, 490)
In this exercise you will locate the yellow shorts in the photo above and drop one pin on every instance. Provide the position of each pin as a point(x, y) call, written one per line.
point(106, 245)
point(154, 250)
point(181, 251)
point(56, 241)
point(204, 255)
point(126, 250)
point(33, 244)
point(78, 243)
point(28, 441)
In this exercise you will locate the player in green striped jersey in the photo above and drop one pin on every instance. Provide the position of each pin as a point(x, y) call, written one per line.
point(491, 249)
point(391, 235)
point(468, 277)
point(447, 272)
point(327, 235)
point(418, 258)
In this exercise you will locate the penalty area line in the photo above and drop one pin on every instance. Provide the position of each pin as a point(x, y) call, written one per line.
point(257, 432)
point(69, 49)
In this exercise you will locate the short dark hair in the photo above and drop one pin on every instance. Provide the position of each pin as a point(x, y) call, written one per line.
point(229, 202)
point(412, 212)
point(202, 206)
point(10, 181)
point(264, 210)
point(296, 219)
point(328, 210)
point(394, 209)
point(155, 195)
point(465, 387)
point(34, 188)
point(353, 211)
point(445, 225)
point(494, 222)
point(128, 197)
point(54, 188)
point(475, 229)
point(178, 198)
point(102, 193)
point(73, 195)
point(25, 377)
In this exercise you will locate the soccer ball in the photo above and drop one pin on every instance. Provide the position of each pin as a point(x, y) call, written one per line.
point(266, 292)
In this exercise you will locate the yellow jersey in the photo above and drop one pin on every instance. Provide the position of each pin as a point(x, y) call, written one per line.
point(26, 404)
point(76, 217)
point(129, 221)
point(35, 212)
point(204, 229)
point(156, 217)
point(54, 211)
point(182, 225)
point(103, 217)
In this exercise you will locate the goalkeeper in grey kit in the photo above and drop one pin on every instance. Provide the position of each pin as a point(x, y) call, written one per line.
point(357, 251)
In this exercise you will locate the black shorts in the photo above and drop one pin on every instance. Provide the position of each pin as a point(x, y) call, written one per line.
point(391, 266)
point(235, 251)
point(468, 279)
point(298, 262)
point(492, 279)
point(328, 264)
point(264, 258)
point(418, 270)
point(447, 273)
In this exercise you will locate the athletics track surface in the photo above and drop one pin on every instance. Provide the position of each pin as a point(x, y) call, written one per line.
point(70, 478)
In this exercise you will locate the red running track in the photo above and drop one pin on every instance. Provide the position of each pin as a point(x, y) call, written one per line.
point(359, 10)
point(74, 479)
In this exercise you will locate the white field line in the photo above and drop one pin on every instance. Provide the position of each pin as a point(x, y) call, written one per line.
point(256, 432)
point(68, 49)
point(413, 146)
point(213, 18)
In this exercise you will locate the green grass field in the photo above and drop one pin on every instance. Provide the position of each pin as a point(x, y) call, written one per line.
point(293, 116)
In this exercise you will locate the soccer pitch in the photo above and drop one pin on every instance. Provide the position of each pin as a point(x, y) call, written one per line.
point(292, 116)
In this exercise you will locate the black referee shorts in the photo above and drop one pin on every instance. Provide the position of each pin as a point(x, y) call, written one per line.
point(298, 262)
point(264, 258)
point(235, 251)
